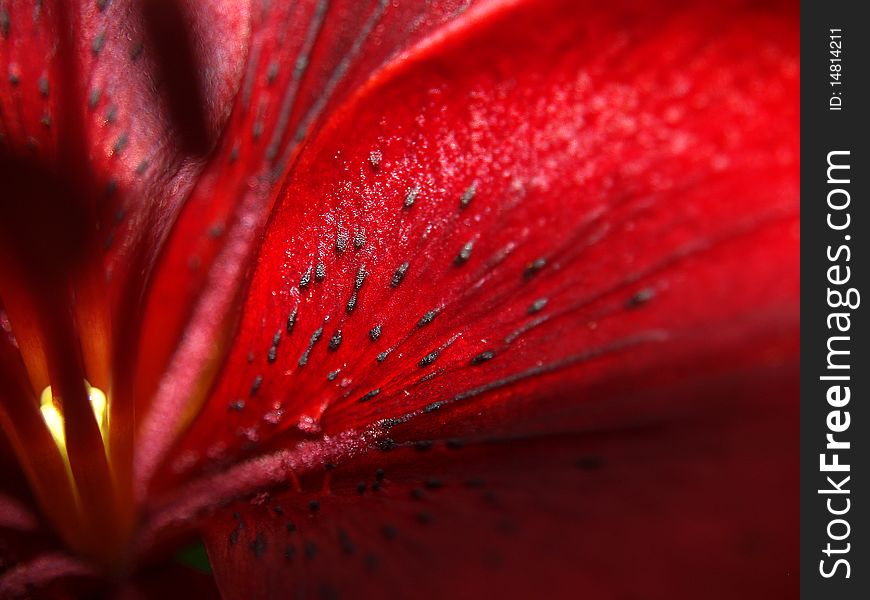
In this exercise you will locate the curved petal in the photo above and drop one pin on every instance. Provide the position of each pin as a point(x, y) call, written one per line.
point(46, 575)
point(481, 228)
point(306, 58)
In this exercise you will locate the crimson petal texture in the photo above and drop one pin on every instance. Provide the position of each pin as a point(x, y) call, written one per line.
point(638, 512)
point(305, 58)
point(541, 197)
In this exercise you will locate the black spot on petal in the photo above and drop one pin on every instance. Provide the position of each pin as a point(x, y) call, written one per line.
point(386, 444)
point(347, 545)
point(411, 197)
point(537, 306)
point(341, 241)
point(640, 298)
point(423, 445)
point(360, 278)
point(303, 360)
point(427, 318)
point(399, 274)
point(369, 395)
point(120, 143)
point(534, 267)
point(387, 424)
point(305, 279)
point(272, 73)
point(310, 550)
point(291, 319)
point(94, 97)
point(428, 359)
point(464, 254)
point(467, 196)
point(359, 238)
point(258, 546)
point(433, 407)
point(372, 562)
point(375, 332)
point(255, 385)
point(482, 357)
point(98, 43)
point(375, 159)
point(335, 340)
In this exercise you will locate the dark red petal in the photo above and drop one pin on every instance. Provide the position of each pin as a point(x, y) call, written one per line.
point(305, 59)
point(95, 69)
point(490, 223)
point(47, 576)
point(171, 580)
point(15, 515)
point(97, 162)
point(640, 512)
point(16, 500)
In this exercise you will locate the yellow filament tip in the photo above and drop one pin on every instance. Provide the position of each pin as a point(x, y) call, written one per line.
point(54, 418)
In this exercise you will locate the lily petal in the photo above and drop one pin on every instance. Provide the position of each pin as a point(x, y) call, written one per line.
point(638, 512)
point(477, 229)
point(306, 58)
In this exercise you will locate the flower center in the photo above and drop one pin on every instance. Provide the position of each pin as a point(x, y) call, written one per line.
point(69, 440)
point(52, 414)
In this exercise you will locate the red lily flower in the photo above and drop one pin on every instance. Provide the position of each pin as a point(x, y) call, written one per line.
point(399, 298)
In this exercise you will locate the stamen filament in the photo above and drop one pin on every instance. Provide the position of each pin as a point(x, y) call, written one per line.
point(54, 418)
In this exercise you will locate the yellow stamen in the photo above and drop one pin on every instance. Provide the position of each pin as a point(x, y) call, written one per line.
point(54, 418)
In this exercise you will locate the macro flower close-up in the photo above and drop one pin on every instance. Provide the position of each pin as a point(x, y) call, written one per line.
point(399, 299)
